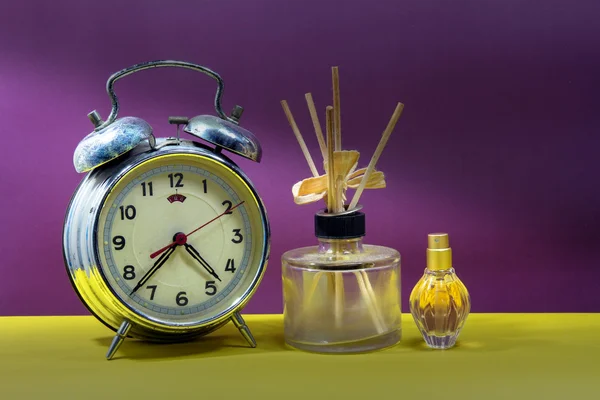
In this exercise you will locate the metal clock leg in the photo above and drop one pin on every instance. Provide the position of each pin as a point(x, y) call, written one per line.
point(118, 339)
point(239, 322)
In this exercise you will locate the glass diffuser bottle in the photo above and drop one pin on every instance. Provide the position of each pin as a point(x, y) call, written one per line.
point(341, 296)
point(439, 302)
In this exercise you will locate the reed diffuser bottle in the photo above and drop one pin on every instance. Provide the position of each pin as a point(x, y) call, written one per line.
point(439, 302)
point(341, 296)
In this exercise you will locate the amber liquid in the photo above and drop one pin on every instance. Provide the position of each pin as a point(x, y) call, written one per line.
point(440, 304)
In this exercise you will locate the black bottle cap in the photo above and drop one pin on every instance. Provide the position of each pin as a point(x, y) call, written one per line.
point(340, 226)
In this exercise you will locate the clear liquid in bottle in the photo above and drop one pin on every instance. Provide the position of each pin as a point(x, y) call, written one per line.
point(342, 296)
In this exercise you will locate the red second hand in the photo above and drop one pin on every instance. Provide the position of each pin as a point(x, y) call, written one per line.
point(159, 252)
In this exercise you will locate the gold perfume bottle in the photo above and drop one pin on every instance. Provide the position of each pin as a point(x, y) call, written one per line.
point(439, 302)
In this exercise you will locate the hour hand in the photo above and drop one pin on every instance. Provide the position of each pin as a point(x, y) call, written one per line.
point(159, 263)
point(194, 253)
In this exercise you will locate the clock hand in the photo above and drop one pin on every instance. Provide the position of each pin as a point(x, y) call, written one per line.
point(159, 263)
point(158, 252)
point(194, 253)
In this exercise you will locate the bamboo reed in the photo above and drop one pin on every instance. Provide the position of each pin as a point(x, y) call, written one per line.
point(298, 135)
point(317, 125)
point(335, 195)
point(330, 172)
point(337, 125)
point(384, 138)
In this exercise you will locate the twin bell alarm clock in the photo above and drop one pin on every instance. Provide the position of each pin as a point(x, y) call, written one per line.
point(166, 239)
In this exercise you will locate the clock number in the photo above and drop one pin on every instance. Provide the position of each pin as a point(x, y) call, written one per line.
point(179, 177)
point(204, 183)
point(153, 288)
point(127, 212)
point(181, 299)
point(119, 242)
point(238, 238)
point(210, 287)
point(229, 205)
point(129, 272)
point(230, 267)
point(149, 190)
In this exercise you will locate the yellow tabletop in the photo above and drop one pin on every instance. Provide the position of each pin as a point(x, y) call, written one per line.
point(499, 356)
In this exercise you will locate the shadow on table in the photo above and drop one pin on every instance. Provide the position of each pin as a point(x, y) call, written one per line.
point(225, 342)
point(482, 335)
point(488, 334)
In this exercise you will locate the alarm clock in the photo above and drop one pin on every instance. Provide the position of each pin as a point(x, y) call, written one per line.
point(166, 239)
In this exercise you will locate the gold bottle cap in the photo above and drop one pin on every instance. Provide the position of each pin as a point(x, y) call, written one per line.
point(439, 253)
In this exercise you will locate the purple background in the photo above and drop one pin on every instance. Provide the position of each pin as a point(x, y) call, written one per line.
point(498, 144)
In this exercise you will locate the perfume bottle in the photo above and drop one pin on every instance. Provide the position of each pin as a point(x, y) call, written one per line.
point(439, 302)
point(341, 295)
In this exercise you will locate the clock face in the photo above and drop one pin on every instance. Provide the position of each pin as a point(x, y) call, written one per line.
point(181, 239)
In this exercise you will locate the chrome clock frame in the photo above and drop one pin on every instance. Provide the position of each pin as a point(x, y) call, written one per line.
point(84, 266)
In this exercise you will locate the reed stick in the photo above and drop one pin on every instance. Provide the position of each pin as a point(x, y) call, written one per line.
point(337, 138)
point(313, 287)
point(382, 143)
point(310, 286)
point(298, 135)
point(337, 126)
point(317, 125)
point(339, 193)
point(330, 148)
point(332, 207)
point(373, 311)
point(339, 298)
point(371, 293)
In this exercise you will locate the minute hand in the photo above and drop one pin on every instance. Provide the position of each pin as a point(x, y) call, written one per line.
point(194, 253)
